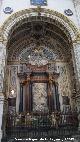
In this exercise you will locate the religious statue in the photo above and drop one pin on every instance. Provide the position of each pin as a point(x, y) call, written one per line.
point(53, 119)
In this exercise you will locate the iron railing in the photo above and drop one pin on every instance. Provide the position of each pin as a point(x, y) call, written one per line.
point(41, 125)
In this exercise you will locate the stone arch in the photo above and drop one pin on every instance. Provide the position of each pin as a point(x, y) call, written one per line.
point(66, 25)
point(19, 16)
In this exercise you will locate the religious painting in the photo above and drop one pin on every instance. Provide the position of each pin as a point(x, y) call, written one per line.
point(39, 91)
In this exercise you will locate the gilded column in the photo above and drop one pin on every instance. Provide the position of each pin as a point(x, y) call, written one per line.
point(57, 97)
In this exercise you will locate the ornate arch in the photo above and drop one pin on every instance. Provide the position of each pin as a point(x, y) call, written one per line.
point(66, 25)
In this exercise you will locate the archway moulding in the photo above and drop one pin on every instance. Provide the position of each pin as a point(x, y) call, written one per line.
point(58, 17)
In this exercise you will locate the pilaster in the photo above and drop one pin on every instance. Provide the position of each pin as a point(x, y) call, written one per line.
point(76, 54)
point(77, 60)
point(77, 10)
point(2, 64)
point(2, 77)
point(1, 113)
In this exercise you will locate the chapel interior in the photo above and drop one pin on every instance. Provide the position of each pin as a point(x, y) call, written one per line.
point(39, 70)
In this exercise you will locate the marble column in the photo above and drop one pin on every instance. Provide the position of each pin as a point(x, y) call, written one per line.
point(54, 96)
point(21, 98)
point(28, 95)
point(57, 97)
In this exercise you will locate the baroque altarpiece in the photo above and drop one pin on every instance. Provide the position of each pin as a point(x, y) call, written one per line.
point(39, 83)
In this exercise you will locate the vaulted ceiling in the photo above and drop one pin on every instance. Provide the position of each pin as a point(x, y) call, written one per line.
point(39, 32)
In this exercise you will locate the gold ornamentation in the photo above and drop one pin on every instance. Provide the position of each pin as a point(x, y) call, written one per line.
point(51, 80)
